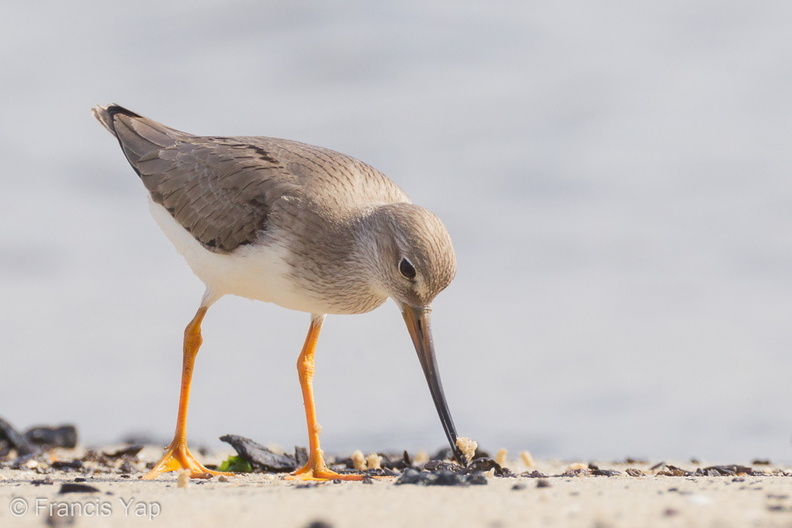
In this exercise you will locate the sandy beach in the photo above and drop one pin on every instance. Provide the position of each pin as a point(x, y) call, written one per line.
point(569, 494)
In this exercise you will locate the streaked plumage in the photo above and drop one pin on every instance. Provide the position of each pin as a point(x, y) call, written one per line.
point(300, 226)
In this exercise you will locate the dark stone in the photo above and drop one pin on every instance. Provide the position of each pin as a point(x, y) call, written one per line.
point(441, 477)
point(487, 464)
point(669, 470)
point(533, 474)
point(48, 437)
point(400, 462)
point(437, 465)
point(724, 471)
point(605, 472)
point(131, 451)
point(477, 478)
point(67, 465)
point(11, 439)
point(73, 487)
point(445, 477)
point(300, 456)
point(410, 476)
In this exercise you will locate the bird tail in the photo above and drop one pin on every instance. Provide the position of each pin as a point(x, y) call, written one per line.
point(139, 137)
point(104, 114)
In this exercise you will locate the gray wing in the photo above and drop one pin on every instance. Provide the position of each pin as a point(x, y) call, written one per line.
point(219, 189)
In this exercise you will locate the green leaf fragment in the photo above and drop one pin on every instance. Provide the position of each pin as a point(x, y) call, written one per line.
point(235, 464)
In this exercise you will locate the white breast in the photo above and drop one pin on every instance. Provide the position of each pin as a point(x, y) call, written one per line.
point(253, 271)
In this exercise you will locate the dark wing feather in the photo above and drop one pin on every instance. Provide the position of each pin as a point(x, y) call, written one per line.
point(218, 189)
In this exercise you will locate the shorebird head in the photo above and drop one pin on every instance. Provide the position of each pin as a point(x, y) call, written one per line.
point(414, 258)
point(414, 261)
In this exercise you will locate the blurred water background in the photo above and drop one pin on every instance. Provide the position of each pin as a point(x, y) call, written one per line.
point(615, 175)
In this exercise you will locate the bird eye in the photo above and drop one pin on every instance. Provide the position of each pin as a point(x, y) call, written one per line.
point(407, 269)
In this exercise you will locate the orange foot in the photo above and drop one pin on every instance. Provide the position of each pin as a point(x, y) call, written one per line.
point(177, 457)
point(316, 469)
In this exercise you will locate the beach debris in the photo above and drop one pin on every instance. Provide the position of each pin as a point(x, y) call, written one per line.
point(49, 437)
point(468, 447)
point(533, 474)
point(67, 465)
point(373, 461)
point(577, 469)
point(599, 472)
point(358, 460)
point(30, 446)
point(670, 470)
point(129, 451)
point(633, 472)
point(527, 459)
point(183, 479)
point(437, 465)
point(445, 453)
point(259, 457)
point(235, 464)
point(74, 487)
point(725, 471)
point(319, 524)
point(441, 477)
point(124, 460)
point(500, 456)
point(488, 465)
point(543, 483)
point(395, 461)
point(420, 458)
point(10, 439)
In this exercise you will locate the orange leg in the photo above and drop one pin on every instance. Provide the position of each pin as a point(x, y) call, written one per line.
point(177, 455)
point(315, 468)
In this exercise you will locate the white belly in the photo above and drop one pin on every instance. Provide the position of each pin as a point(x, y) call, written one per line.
point(250, 271)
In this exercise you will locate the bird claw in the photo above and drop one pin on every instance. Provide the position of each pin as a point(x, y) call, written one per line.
point(317, 470)
point(178, 457)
